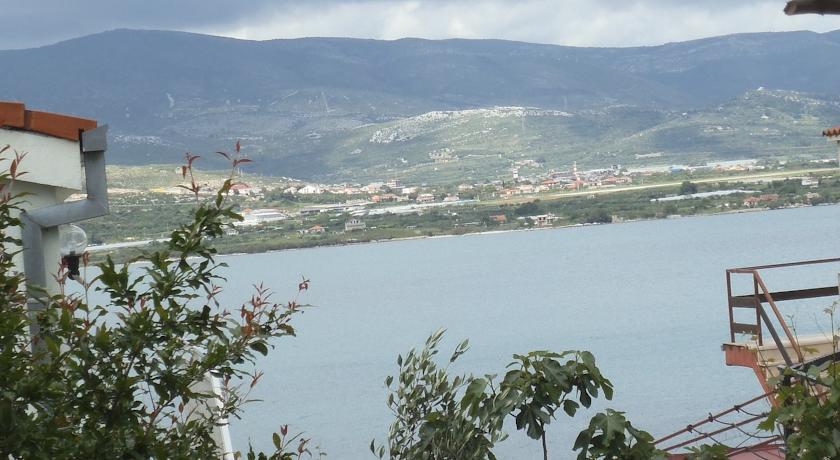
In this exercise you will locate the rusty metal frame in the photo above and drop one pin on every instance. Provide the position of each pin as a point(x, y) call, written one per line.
point(698, 435)
point(761, 295)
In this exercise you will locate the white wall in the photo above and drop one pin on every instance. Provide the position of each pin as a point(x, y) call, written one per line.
point(49, 160)
point(53, 171)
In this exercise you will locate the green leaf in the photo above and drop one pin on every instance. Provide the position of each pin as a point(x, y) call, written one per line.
point(260, 347)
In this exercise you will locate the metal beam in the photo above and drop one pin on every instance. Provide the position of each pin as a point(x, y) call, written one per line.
point(748, 301)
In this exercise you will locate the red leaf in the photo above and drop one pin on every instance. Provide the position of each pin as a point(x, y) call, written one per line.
point(237, 146)
point(224, 155)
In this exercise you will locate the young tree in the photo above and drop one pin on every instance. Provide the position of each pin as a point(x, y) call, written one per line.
point(438, 417)
point(688, 188)
point(120, 380)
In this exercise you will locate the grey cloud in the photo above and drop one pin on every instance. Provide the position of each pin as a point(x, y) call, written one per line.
point(575, 22)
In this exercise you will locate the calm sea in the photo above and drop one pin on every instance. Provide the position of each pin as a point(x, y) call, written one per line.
point(648, 298)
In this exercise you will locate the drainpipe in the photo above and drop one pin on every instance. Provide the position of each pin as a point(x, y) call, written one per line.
point(92, 145)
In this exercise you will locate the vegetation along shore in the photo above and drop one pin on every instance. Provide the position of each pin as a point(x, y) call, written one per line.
point(146, 201)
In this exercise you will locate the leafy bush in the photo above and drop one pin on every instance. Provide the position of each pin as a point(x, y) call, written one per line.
point(611, 436)
point(122, 380)
point(440, 417)
point(809, 411)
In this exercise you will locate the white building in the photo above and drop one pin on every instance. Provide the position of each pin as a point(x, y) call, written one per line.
point(373, 187)
point(425, 198)
point(354, 224)
point(311, 189)
point(261, 216)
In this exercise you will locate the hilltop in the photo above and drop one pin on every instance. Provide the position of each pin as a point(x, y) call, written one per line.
point(346, 109)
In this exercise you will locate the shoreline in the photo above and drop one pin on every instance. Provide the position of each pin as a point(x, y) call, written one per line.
point(483, 233)
point(492, 232)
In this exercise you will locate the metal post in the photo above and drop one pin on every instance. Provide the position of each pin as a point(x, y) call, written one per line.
point(731, 307)
point(776, 338)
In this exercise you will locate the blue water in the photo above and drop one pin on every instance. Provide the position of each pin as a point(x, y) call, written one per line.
point(648, 298)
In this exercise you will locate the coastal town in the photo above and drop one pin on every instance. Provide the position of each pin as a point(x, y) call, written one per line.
point(282, 213)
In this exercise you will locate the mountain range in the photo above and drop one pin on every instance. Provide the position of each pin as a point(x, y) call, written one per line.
point(349, 109)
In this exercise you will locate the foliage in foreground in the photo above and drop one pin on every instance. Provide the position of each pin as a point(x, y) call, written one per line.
point(809, 410)
point(121, 380)
point(441, 417)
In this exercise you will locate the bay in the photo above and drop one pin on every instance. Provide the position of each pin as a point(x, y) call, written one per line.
point(647, 298)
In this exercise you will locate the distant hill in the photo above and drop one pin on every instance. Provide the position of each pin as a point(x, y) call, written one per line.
point(326, 107)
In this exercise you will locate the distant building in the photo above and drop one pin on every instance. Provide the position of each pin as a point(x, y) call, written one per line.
point(425, 198)
point(527, 188)
point(311, 189)
point(310, 210)
point(499, 218)
point(243, 189)
point(754, 200)
point(543, 220)
point(751, 201)
point(354, 224)
point(734, 165)
point(451, 199)
point(615, 180)
point(316, 229)
point(373, 187)
point(259, 216)
point(443, 156)
point(394, 183)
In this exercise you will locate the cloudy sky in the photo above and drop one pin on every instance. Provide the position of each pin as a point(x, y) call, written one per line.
point(567, 22)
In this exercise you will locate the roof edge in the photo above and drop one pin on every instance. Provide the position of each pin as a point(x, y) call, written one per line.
point(832, 132)
point(13, 114)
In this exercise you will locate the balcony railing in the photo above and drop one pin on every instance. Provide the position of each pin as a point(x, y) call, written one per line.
point(761, 295)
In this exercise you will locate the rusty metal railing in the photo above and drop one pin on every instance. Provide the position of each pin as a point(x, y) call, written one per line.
point(707, 429)
point(762, 295)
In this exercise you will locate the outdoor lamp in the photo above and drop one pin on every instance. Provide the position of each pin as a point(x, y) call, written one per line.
point(73, 242)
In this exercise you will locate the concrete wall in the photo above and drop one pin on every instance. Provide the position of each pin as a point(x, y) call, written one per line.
point(53, 171)
point(49, 160)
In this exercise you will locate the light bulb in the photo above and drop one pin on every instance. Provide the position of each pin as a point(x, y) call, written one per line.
point(73, 240)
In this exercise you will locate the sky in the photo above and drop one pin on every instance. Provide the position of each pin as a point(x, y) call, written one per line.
point(32, 23)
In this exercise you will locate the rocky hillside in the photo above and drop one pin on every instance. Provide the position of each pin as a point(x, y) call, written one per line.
point(347, 108)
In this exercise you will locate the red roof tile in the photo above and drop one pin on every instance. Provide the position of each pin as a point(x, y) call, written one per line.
point(812, 7)
point(831, 132)
point(15, 115)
